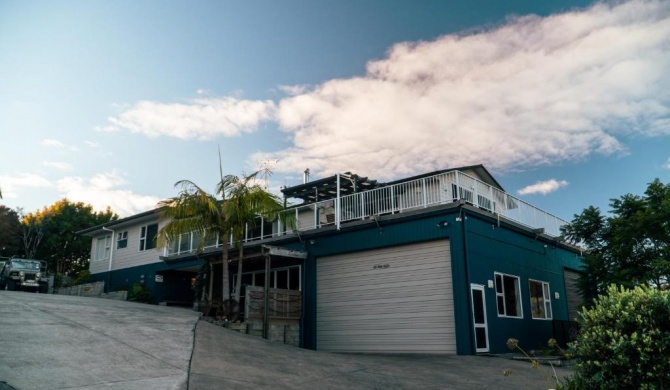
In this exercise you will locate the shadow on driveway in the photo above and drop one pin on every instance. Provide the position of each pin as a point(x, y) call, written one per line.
point(227, 359)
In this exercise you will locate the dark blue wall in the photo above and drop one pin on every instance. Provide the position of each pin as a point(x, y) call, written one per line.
point(479, 247)
point(498, 249)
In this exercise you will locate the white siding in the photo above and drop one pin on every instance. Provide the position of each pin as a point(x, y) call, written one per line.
point(406, 306)
point(127, 257)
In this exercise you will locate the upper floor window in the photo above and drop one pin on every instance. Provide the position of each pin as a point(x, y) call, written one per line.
point(148, 236)
point(103, 248)
point(540, 300)
point(508, 296)
point(122, 240)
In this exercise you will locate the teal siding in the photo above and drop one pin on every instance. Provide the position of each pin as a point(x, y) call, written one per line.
point(479, 247)
point(367, 237)
point(497, 249)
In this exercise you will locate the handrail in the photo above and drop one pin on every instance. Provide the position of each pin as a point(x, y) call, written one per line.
point(415, 194)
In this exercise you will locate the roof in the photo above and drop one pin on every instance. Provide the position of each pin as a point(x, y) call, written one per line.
point(120, 223)
point(326, 188)
point(479, 169)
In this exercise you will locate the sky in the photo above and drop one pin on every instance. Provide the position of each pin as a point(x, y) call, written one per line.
point(566, 103)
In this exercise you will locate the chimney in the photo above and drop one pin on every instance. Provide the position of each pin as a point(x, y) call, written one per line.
point(305, 177)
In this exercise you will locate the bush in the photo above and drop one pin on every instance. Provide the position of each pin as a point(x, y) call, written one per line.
point(84, 276)
point(624, 341)
point(140, 293)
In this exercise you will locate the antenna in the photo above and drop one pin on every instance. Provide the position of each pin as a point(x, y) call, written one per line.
point(266, 167)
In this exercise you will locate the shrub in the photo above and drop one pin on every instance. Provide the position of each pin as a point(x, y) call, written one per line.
point(84, 276)
point(140, 293)
point(624, 341)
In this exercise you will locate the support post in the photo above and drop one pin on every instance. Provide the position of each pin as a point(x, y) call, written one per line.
point(266, 299)
point(337, 204)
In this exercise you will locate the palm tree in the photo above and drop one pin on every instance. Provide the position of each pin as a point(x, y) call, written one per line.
point(195, 210)
point(246, 201)
point(242, 201)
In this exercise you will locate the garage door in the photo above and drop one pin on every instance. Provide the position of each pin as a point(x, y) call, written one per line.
point(393, 300)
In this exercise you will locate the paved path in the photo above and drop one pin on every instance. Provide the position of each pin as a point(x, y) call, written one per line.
point(224, 359)
point(62, 342)
point(57, 342)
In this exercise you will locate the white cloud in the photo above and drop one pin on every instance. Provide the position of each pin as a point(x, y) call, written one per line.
point(535, 91)
point(92, 144)
point(63, 166)
point(52, 143)
point(294, 89)
point(102, 190)
point(203, 118)
point(12, 185)
point(543, 187)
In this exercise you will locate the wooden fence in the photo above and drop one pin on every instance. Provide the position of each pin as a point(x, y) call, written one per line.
point(283, 304)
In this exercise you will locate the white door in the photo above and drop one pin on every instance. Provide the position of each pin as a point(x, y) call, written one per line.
point(481, 330)
point(394, 300)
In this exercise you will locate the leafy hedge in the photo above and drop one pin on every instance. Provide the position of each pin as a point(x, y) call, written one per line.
point(624, 341)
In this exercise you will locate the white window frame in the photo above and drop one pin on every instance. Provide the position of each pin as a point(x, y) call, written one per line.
point(122, 236)
point(501, 295)
point(103, 248)
point(273, 276)
point(548, 312)
point(143, 236)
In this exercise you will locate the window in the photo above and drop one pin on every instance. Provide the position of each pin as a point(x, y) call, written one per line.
point(148, 236)
point(122, 240)
point(283, 278)
point(508, 296)
point(540, 300)
point(103, 248)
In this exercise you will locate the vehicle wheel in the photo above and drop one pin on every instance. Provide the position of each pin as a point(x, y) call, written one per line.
point(11, 286)
point(43, 288)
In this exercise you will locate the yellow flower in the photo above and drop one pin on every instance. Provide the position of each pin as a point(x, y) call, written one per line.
point(512, 343)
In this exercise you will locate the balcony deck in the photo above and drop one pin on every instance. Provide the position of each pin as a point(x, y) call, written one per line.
point(443, 188)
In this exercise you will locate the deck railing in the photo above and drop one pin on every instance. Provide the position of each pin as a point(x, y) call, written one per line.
point(398, 198)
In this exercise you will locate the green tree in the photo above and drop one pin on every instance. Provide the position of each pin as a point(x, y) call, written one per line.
point(247, 201)
point(50, 234)
point(196, 210)
point(631, 246)
point(241, 200)
point(10, 232)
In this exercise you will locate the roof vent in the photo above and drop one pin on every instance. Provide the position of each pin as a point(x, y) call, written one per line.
point(305, 177)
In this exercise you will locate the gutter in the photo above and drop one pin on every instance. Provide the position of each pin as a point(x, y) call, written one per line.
point(111, 256)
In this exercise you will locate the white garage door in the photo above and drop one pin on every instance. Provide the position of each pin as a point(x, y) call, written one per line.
point(390, 300)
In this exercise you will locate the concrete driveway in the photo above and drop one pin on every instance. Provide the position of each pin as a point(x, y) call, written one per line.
point(224, 359)
point(56, 342)
point(63, 342)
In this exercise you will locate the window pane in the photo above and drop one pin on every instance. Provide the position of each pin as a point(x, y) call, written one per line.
point(259, 279)
point(294, 278)
point(501, 305)
point(152, 230)
point(478, 304)
point(499, 287)
point(511, 296)
point(480, 337)
point(536, 299)
point(282, 279)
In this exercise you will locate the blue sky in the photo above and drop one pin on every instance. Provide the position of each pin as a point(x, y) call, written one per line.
point(110, 103)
